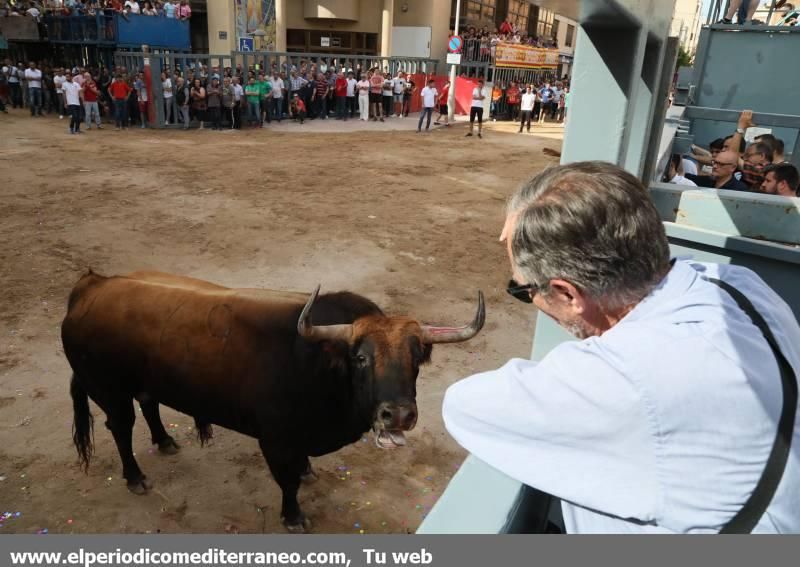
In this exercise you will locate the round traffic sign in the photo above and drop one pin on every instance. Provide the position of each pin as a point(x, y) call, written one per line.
point(455, 44)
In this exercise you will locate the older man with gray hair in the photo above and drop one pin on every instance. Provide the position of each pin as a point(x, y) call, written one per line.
point(675, 411)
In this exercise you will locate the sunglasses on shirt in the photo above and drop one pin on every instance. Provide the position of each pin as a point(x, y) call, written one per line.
point(523, 293)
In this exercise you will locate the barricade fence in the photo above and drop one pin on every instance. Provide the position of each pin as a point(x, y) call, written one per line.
point(163, 110)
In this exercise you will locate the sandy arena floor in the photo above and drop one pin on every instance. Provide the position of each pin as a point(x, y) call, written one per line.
point(409, 220)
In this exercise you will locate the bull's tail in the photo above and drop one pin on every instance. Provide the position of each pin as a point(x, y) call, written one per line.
point(83, 423)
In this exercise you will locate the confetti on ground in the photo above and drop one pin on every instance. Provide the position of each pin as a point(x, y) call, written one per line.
point(356, 525)
point(109, 478)
point(43, 531)
point(69, 521)
point(429, 478)
point(383, 523)
point(2, 478)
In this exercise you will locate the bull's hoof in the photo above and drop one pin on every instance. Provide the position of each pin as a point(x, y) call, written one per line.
point(168, 446)
point(140, 487)
point(309, 477)
point(300, 526)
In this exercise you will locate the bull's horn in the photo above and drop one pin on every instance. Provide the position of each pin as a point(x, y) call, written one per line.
point(432, 335)
point(307, 330)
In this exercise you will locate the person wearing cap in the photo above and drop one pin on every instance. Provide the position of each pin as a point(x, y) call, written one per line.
point(298, 108)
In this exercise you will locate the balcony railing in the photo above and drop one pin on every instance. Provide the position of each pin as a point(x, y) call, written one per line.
point(114, 29)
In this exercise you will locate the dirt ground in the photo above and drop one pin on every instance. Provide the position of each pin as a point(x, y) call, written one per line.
point(411, 221)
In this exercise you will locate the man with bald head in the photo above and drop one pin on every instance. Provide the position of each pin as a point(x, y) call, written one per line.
point(722, 169)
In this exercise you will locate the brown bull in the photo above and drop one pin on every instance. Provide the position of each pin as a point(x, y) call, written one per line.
point(249, 360)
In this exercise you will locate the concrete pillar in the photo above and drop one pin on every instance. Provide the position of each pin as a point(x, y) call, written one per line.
point(387, 16)
point(280, 25)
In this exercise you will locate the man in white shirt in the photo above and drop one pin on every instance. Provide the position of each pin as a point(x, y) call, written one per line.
point(276, 104)
point(675, 172)
point(132, 6)
point(58, 80)
point(14, 90)
point(72, 98)
point(476, 110)
point(428, 94)
point(397, 90)
point(388, 94)
point(238, 101)
point(351, 94)
point(526, 108)
point(34, 78)
point(166, 89)
point(662, 417)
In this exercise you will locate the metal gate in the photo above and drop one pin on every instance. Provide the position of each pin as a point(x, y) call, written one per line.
point(203, 67)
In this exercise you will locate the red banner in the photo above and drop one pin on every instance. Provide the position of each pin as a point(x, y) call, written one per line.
point(525, 56)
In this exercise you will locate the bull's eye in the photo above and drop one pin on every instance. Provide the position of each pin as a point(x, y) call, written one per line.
point(361, 360)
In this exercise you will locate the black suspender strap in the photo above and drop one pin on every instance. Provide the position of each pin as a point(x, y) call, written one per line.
point(748, 517)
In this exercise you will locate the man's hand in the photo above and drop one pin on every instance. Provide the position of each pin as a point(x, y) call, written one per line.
point(746, 120)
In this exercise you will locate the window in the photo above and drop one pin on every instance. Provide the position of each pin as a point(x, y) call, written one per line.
point(481, 10)
point(570, 35)
point(556, 24)
point(519, 10)
point(544, 23)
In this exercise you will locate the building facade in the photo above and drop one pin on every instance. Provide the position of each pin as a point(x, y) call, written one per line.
point(686, 22)
point(418, 28)
point(566, 33)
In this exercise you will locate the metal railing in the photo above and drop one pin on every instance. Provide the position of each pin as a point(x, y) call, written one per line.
point(100, 28)
point(717, 9)
point(283, 61)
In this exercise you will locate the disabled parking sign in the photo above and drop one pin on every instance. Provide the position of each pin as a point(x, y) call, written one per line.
point(245, 44)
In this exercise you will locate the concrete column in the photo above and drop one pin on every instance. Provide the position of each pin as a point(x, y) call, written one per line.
point(280, 25)
point(387, 17)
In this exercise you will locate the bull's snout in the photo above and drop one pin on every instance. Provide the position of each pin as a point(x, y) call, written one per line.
point(395, 416)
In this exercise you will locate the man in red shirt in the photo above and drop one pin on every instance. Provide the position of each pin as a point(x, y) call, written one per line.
point(443, 104)
point(90, 93)
point(341, 97)
point(375, 97)
point(513, 98)
point(119, 91)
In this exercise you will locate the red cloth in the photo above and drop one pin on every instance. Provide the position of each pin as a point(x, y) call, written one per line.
point(505, 27)
point(341, 87)
point(88, 94)
point(119, 90)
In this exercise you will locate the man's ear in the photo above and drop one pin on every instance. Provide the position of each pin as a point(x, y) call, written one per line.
point(567, 295)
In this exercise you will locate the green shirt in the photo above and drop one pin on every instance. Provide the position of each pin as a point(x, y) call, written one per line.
point(265, 88)
point(253, 92)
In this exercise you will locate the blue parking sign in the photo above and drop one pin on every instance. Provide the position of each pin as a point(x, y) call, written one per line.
point(245, 44)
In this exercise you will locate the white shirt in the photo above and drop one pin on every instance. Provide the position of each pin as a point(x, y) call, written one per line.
point(238, 92)
point(277, 87)
point(661, 425)
point(133, 5)
point(388, 85)
point(476, 92)
point(681, 180)
point(689, 166)
point(58, 80)
point(34, 78)
point(351, 87)
point(363, 84)
point(166, 86)
point(429, 97)
point(528, 99)
point(72, 92)
point(399, 86)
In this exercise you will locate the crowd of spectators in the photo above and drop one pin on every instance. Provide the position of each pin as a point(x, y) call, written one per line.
point(731, 163)
point(203, 95)
point(179, 9)
point(480, 43)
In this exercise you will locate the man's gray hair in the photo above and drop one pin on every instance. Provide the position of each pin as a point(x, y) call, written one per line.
point(592, 224)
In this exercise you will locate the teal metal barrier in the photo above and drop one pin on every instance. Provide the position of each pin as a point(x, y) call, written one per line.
point(614, 70)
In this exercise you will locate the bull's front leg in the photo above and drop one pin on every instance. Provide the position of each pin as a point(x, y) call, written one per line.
point(287, 467)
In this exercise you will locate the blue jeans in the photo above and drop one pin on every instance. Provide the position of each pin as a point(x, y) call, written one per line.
point(35, 100)
point(254, 114)
point(120, 113)
point(425, 111)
